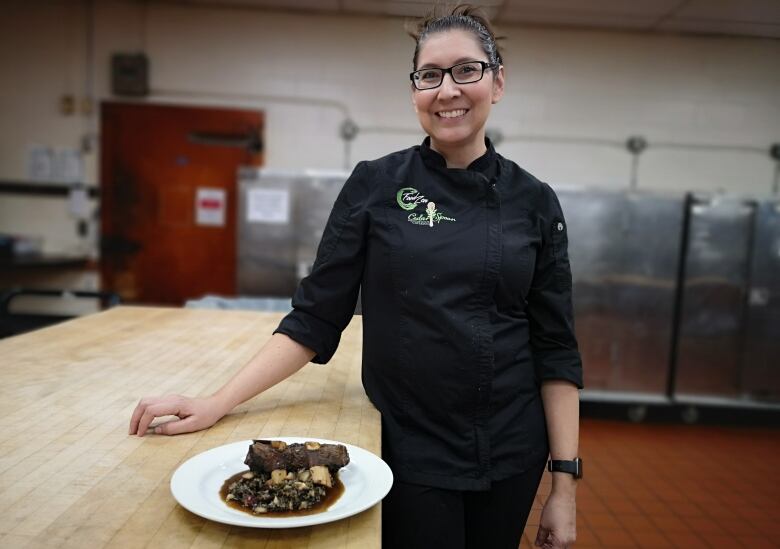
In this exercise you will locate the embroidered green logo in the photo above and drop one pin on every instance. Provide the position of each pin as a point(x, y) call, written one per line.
point(408, 198)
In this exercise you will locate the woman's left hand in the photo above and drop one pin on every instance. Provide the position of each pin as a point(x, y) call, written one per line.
point(558, 524)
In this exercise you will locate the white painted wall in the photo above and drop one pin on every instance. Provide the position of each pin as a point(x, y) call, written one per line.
point(574, 86)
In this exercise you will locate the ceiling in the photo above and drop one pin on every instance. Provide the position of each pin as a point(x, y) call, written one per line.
point(730, 17)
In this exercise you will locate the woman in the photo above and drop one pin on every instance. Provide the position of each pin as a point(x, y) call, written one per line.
point(469, 352)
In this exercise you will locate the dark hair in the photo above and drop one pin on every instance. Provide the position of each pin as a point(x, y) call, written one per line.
point(461, 17)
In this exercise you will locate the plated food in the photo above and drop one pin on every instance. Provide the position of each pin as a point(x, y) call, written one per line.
point(196, 486)
point(287, 479)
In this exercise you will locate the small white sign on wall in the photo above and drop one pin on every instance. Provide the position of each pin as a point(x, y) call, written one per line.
point(46, 163)
point(210, 207)
point(268, 206)
point(68, 165)
point(40, 160)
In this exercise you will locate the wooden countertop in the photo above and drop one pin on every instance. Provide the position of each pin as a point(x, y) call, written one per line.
point(71, 476)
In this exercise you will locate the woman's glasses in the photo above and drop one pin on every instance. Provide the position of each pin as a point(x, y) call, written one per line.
point(462, 73)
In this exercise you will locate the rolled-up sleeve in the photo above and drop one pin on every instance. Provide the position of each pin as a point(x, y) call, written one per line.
point(549, 301)
point(324, 301)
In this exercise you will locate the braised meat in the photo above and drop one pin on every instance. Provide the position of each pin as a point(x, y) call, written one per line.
point(265, 456)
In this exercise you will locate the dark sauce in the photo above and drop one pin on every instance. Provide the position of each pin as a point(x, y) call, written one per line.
point(331, 495)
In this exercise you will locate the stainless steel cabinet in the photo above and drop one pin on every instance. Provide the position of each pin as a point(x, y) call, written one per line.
point(676, 297)
point(714, 291)
point(624, 250)
point(281, 217)
point(760, 378)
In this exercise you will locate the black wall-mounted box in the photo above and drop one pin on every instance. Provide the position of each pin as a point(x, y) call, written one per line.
point(130, 74)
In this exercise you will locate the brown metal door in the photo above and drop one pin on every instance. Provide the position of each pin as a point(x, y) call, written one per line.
point(167, 173)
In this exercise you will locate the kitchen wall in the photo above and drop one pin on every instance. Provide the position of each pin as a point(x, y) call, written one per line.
point(573, 96)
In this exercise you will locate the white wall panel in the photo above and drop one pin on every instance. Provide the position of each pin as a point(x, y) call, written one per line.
point(585, 86)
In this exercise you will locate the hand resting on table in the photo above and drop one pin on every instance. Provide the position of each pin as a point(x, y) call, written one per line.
point(193, 414)
point(278, 359)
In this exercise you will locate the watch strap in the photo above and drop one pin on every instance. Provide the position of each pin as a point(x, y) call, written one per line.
point(573, 466)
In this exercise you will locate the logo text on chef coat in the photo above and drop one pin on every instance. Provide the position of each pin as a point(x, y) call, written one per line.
point(409, 198)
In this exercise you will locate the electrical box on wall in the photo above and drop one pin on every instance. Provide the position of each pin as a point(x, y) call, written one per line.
point(130, 74)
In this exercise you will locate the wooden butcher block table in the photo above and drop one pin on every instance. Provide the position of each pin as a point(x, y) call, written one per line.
point(71, 476)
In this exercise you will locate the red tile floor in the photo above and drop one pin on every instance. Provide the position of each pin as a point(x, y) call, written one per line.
point(651, 485)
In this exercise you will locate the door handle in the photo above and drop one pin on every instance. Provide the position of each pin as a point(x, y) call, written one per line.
point(250, 141)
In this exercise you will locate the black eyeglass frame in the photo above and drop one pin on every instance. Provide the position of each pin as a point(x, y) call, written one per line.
point(485, 65)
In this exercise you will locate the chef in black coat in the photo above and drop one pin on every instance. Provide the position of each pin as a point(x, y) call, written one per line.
point(469, 350)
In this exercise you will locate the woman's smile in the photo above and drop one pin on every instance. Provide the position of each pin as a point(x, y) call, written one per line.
point(452, 114)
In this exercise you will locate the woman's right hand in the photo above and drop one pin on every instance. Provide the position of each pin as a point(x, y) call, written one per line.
point(278, 359)
point(194, 414)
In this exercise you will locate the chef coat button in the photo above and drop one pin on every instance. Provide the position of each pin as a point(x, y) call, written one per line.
point(559, 226)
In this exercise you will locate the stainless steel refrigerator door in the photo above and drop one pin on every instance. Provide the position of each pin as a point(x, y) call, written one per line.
point(761, 362)
point(712, 316)
point(624, 250)
point(282, 214)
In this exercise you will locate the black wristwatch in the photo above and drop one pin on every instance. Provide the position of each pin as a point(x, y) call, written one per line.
point(573, 467)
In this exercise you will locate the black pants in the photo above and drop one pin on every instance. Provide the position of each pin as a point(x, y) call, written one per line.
point(419, 516)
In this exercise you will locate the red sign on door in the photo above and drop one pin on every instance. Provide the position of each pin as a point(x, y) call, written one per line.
point(210, 207)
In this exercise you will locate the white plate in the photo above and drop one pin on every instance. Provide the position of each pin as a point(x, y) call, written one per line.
point(197, 481)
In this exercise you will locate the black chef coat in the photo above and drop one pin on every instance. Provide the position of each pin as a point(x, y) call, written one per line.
point(466, 300)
